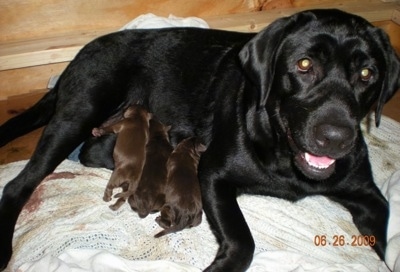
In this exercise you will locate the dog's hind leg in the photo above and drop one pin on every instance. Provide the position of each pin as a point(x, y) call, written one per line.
point(33, 118)
point(67, 129)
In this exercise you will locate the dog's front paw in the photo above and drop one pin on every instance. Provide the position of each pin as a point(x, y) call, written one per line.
point(4, 259)
point(5, 255)
point(224, 263)
point(6, 234)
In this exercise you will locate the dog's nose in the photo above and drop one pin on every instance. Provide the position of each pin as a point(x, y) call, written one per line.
point(333, 138)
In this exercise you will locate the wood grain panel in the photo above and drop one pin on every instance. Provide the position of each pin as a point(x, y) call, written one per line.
point(27, 80)
point(24, 19)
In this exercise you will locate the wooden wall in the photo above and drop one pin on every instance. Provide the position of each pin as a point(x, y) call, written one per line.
point(55, 29)
point(27, 19)
point(24, 19)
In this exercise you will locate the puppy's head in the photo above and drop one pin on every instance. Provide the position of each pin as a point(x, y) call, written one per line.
point(157, 129)
point(192, 146)
point(318, 74)
point(145, 202)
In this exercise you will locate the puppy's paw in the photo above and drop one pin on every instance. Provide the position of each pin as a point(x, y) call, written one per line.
point(117, 204)
point(165, 223)
point(125, 194)
point(107, 198)
point(195, 220)
point(167, 216)
point(97, 132)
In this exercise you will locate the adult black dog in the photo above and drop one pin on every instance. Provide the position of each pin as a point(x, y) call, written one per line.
point(278, 111)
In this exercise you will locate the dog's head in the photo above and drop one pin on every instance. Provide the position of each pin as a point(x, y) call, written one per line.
point(319, 73)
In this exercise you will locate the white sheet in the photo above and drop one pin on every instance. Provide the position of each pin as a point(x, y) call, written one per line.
point(67, 227)
point(391, 189)
point(150, 20)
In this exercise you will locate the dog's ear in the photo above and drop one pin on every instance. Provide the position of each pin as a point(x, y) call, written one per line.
point(391, 82)
point(258, 56)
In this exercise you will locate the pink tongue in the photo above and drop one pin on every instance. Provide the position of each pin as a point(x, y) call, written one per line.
point(319, 162)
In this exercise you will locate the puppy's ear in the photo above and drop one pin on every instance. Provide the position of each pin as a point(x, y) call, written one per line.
point(198, 146)
point(258, 56)
point(391, 82)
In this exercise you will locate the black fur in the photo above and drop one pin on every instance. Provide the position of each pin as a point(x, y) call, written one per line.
point(247, 98)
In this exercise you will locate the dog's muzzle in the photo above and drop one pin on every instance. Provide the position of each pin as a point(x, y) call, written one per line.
point(326, 144)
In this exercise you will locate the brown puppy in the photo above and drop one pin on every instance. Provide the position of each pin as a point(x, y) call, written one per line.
point(150, 196)
point(129, 151)
point(183, 207)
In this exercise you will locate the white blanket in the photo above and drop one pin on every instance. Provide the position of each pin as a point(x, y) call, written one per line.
point(67, 227)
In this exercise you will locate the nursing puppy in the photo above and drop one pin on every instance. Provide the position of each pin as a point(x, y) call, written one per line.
point(183, 207)
point(129, 151)
point(149, 196)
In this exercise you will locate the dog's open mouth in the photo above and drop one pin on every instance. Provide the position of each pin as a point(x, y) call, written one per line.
point(318, 162)
point(312, 166)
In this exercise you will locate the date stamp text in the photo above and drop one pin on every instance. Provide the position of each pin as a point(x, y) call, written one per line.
point(340, 240)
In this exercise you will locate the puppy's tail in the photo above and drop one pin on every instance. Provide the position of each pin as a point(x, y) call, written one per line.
point(35, 117)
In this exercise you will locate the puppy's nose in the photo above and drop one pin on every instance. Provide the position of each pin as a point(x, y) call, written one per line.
point(333, 138)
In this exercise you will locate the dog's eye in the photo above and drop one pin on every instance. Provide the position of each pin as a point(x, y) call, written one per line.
point(365, 74)
point(304, 65)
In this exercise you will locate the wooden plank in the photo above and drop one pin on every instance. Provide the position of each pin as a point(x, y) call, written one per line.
point(22, 147)
point(22, 19)
point(64, 48)
point(393, 30)
point(28, 79)
point(254, 22)
point(26, 53)
point(38, 57)
point(396, 16)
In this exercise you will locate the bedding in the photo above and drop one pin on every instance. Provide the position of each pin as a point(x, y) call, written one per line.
point(66, 226)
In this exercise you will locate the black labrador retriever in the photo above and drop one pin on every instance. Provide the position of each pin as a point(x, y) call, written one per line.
point(279, 112)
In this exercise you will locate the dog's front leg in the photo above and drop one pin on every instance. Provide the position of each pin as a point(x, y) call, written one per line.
point(370, 214)
point(236, 244)
point(367, 205)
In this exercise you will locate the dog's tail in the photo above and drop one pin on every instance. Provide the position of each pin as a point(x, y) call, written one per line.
point(35, 117)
